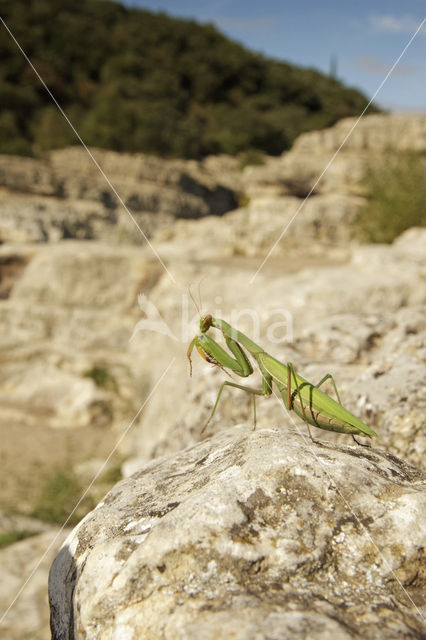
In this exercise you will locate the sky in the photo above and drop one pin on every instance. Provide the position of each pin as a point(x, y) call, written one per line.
point(363, 39)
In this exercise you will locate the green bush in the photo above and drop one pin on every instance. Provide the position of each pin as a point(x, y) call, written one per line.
point(63, 492)
point(10, 537)
point(59, 496)
point(251, 157)
point(396, 192)
point(133, 80)
point(101, 377)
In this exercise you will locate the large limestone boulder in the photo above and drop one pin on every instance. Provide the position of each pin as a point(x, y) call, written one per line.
point(249, 535)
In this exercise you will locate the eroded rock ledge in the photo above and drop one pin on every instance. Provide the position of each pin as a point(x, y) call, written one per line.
point(249, 535)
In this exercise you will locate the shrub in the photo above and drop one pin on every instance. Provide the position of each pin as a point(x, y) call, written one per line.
point(59, 496)
point(101, 377)
point(10, 537)
point(133, 80)
point(396, 192)
point(251, 157)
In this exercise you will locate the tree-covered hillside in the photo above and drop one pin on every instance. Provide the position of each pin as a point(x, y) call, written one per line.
point(132, 80)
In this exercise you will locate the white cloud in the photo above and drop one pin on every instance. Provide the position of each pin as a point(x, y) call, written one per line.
point(397, 24)
point(371, 64)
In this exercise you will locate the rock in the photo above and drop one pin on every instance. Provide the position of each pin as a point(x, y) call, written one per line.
point(36, 218)
point(66, 196)
point(373, 133)
point(13, 260)
point(369, 140)
point(253, 230)
point(13, 523)
point(307, 200)
point(59, 324)
point(52, 277)
point(329, 167)
point(259, 534)
point(29, 559)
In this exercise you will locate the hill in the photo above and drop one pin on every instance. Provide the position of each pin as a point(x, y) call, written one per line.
point(132, 80)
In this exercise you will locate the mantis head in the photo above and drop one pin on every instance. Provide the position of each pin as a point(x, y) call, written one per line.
point(205, 323)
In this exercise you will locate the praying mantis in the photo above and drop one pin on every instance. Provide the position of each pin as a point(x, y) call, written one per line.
point(312, 405)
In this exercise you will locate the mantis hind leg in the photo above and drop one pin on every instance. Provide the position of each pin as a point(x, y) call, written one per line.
point(328, 376)
point(254, 392)
point(291, 375)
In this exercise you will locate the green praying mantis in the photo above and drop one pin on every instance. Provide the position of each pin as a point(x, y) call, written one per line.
point(312, 405)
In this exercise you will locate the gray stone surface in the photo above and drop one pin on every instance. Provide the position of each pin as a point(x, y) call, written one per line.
point(251, 535)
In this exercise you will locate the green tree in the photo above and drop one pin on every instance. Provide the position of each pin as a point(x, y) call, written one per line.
point(133, 80)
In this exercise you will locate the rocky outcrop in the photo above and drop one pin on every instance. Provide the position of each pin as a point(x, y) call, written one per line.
point(249, 534)
point(339, 154)
point(66, 196)
point(70, 372)
point(325, 165)
point(57, 336)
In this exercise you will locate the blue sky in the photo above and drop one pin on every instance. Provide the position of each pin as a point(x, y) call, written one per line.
point(364, 37)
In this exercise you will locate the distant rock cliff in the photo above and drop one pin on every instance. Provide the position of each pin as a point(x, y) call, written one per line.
point(65, 195)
